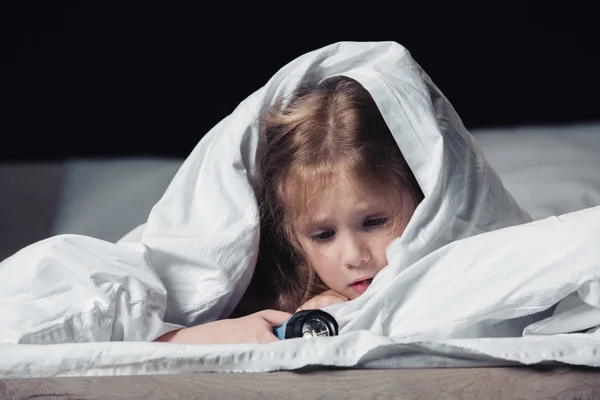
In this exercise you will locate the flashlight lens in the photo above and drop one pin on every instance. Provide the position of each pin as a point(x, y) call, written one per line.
point(314, 327)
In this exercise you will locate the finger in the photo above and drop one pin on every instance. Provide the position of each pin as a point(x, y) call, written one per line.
point(274, 317)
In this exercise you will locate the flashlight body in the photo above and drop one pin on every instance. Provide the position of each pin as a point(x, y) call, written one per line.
point(280, 332)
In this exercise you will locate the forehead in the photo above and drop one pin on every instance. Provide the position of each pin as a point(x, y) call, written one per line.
point(307, 199)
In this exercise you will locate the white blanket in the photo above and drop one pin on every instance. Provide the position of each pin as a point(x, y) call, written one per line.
point(471, 281)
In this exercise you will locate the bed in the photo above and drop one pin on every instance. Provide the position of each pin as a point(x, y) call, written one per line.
point(550, 170)
point(452, 383)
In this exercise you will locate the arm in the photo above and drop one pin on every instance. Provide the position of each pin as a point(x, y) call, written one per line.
point(253, 328)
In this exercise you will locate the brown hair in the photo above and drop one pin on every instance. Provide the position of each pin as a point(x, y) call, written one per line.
point(328, 128)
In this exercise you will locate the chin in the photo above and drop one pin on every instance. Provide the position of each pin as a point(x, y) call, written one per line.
point(352, 296)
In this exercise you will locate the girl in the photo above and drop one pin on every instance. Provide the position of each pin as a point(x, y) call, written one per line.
point(335, 192)
point(286, 203)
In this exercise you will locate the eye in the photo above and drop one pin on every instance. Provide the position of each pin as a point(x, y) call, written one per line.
point(375, 222)
point(323, 236)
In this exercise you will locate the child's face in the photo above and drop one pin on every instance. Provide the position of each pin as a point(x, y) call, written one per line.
point(348, 230)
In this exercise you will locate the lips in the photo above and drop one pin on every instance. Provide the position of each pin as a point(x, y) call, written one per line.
point(361, 285)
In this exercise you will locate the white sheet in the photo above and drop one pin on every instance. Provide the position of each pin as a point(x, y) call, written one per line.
point(358, 349)
point(453, 277)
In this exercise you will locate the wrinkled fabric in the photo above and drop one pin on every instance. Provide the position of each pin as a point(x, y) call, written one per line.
point(469, 265)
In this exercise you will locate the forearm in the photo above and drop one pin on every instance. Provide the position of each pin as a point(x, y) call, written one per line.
point(201, 334)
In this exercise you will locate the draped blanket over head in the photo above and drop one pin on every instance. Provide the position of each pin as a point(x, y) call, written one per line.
point(470, 264)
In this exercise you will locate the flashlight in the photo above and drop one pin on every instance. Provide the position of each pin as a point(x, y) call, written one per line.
point(307, 324)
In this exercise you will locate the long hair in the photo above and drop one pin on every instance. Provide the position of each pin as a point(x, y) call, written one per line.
point(328, 128)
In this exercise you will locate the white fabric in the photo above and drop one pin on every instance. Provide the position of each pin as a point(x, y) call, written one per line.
point(357, 349)
point(469, 264)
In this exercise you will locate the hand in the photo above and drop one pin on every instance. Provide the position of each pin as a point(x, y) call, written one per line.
point(253, 328)
point(323, 300)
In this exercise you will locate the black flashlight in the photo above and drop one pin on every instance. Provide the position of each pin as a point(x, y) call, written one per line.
point(308, 324)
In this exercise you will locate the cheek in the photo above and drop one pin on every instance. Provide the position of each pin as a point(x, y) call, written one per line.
point(324, 266)
point(319, 262)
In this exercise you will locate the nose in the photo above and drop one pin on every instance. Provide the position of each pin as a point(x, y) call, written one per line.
point(354, 251)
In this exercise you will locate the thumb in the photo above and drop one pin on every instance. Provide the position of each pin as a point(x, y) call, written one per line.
point(274, 317)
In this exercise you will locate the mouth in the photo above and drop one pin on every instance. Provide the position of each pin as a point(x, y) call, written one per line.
point(361, 285)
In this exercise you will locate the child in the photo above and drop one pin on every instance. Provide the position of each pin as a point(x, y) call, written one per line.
point(285, 204)
point(335, 192)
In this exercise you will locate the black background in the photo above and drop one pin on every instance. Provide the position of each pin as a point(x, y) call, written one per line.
point(102, 79)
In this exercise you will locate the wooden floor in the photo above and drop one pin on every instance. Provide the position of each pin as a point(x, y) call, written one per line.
point(463, 383)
